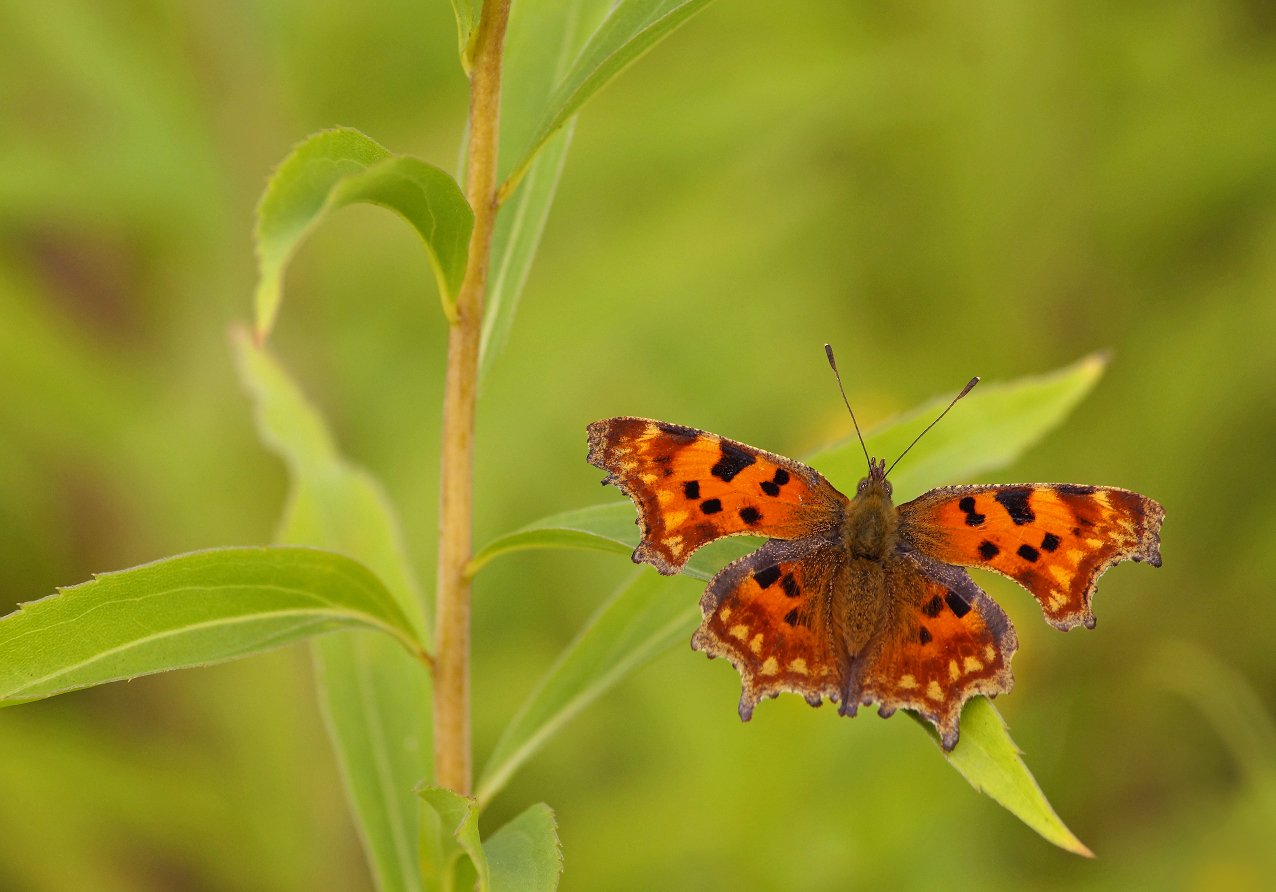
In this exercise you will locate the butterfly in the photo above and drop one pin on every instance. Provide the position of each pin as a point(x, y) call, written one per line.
point(858, 600)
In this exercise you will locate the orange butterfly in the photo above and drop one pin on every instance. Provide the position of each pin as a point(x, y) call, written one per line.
point(858, 600)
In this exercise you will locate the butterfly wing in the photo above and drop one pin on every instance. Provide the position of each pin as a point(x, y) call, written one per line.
point(943, 642)
point(768, 613)
point(692, 487)
point(1054, 539)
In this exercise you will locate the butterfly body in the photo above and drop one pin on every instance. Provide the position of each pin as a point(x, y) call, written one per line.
point(859, 600)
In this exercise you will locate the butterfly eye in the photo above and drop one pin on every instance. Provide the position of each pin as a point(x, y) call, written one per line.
point(890, 490)
point(862, 484)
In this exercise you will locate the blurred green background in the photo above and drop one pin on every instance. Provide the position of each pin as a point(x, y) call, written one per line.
point(938, 189)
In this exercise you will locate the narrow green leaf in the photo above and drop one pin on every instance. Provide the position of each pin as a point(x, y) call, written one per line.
point(989, 760)
point(335, 168)
point(642, 619)
point(607, 527)
point(514, 244)
point(458, 819)
point(630, 29)
point(375, 701)
point(990, 428)
point(525, 855)
point(190, 610)
point(987, 430)
point(467, 16)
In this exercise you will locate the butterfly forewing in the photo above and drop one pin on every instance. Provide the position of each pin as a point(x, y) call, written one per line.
point(1054, 539)
point(692, 487)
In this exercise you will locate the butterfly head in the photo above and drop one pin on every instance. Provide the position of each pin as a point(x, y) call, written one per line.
point(875, 483)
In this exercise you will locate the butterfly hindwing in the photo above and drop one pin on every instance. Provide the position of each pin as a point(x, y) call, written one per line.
point(1054, 539)
point(692, 487)
point(944, 642)
point(768, 614)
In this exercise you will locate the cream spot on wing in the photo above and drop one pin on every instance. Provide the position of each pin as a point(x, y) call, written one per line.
point(648, 478)
point(675, 546)
point(741, 631)
point(970, 664)
point(664, 496)
point(990, 653)
point(1062, 575)
point(770, 667)
point(756, 644)
point(1094, 543)
point(953, 671)
point(1057, 600)
point(724, 614)
point(933, 691)
point(798, 665)
point(1075, 555)
point(907, 682)
point(675, 519)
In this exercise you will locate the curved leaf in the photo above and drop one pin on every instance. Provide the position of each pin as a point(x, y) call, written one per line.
point(525, 855)
point(640, 621)
point(190, 610)
point(455, 832)
point(335, 168)
point(630, 29)
point(989, 760)
point(375, 700)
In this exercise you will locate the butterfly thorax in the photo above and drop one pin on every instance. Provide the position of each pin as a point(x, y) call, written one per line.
point(871, 520)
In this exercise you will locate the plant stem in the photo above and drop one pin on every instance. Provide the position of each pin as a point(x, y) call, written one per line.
point(452, 767)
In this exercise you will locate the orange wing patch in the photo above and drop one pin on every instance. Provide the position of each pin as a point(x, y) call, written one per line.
point(1054, 539)
point(768, 614)
point(943, 646)
point(692, 487)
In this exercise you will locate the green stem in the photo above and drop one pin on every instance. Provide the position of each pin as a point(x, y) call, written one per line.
point(452, 758)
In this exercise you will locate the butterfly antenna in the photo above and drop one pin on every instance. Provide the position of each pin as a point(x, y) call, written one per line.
point(828, 351)
point(970, 385)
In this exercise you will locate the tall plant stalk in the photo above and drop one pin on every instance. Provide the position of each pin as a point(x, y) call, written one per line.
point(452, 760)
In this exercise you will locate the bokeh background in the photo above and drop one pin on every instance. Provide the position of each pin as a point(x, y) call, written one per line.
point(939, 189)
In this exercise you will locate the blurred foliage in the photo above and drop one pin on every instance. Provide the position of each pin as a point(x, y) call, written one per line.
point(940, 190)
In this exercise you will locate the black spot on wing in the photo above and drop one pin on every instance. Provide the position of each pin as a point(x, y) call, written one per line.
point(933, 607)
point(1028, 553)
point(1074, 489)
point(955, 603)
point(691, 489)
point(791, 617)
point(733, 461)
point(711, 506)
point(973, 518)
point(1050, 542)
point(988, 551)
point(683, 435)
point(750, 515)
point(770, 488)
point(781, 477)
point(1015, 501)
point(924, 635)
point(766, 578)
point(790, 586)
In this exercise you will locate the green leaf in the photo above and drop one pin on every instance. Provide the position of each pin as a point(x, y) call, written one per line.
point(642, 619)
point(989, 760)
point(630, 29)
point(525, 855)
point(335, 168)
point(607, 527)
point(190, 610)
point(514, 244)
point(467, 16)
point(375, 701)
point(989, 429)
point(457, 817)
